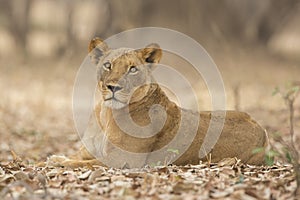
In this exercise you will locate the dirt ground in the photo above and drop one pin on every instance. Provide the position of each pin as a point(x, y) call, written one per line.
point(36, 122)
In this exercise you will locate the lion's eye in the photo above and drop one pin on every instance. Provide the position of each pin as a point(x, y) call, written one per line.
point(133, 69)
point(107, 65)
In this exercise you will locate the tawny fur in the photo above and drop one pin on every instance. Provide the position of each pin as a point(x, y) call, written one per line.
point(239, 137)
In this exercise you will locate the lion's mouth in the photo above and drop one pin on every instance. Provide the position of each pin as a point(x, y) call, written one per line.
point(114, 99)
point(114, 103)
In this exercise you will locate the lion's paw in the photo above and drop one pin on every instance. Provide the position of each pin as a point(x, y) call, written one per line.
point(56, 161)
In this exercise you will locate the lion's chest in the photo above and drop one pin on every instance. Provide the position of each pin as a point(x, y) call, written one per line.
point(128, 137)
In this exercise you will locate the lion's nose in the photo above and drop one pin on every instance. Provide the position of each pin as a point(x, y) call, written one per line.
point(114, 88)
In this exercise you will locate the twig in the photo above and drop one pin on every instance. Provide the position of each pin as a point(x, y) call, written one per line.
point(289, 98)
point(237, 99)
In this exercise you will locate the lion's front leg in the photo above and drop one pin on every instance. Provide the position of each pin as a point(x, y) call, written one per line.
point(63, 161)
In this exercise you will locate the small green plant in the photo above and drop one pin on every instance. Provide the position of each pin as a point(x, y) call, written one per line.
point(270, 155)
point(158, 163)
point(175, 151)
point(172, 153)
point(289, 150)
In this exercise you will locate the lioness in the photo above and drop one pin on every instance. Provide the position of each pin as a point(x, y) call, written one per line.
point(126, 85)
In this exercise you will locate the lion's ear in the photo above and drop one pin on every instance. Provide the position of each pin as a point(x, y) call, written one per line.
point(96, 49)
point(151, 53)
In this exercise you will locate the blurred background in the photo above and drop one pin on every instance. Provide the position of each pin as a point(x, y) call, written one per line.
point(47, 28)
point(255, 44)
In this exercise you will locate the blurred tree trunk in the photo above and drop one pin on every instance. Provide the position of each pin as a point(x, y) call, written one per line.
point(276, 17)
point(108, 27)
point(17, 13)
point(123, 15)
point(70, 44)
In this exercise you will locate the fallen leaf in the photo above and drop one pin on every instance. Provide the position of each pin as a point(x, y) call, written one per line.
point(85, 175)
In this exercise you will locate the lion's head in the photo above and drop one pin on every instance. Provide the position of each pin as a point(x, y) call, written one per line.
point(124, 75)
